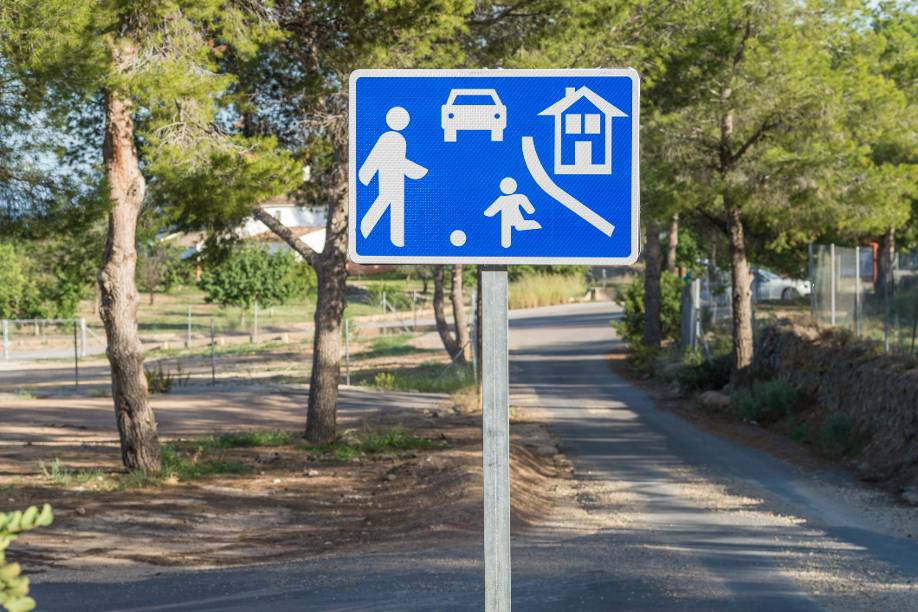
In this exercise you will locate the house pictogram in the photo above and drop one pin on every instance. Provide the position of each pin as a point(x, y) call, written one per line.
point(583, 132)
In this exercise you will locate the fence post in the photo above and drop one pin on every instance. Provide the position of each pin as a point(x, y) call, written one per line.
point(6, 340)
point(347, 352)
point(832, 283)
point(685, 312)
point(83, 351)
point(188, 333)
point(255, 322)
point(696, 312)
point(414, 308)
point(857, 291)
point(76, 357)
point(213, 363)
point(812, 265)
point(756, 277)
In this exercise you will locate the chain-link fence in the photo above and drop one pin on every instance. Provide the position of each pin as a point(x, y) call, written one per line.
point(852, 290)
point(846, 289)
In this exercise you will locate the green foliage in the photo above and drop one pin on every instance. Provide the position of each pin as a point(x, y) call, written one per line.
point(159, 267)
point(766, 402)
point(395, 297)
point(427, 378)
point(245, 439)
point(159, 380)
point(390, 346)
point(835, 434)
point(250, 274)
point(545, 289)
point(13, 282)
point(353, 443)
point(708, 375)
point(62, 476)
point(189, 462)
point(14, 587)
point(631, 326)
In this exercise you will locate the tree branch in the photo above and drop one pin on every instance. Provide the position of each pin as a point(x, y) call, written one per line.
point(284, 233)
point(766, 126)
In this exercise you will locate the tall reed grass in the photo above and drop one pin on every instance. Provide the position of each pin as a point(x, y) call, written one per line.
point(540, 289)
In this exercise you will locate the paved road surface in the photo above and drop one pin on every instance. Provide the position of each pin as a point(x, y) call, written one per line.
point(669, 517)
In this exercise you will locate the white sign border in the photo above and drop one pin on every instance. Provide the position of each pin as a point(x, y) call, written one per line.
point(448, 259)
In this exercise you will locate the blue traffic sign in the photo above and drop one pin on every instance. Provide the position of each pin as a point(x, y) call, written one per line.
point(494, 166)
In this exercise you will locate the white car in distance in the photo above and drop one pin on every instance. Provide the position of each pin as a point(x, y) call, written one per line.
point(473, 110)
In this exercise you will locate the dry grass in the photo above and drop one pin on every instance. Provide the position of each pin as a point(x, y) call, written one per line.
point(535, 290)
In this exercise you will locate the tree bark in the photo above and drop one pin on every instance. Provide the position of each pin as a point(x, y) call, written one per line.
point(446, 336)
point(741, 295)
point(118, 292)
point(331, 276)
point(673, 243)
point(462, 328)
point(886, 253)
point(653, 334)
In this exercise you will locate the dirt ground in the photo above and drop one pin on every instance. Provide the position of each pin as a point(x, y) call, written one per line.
point(290, 503)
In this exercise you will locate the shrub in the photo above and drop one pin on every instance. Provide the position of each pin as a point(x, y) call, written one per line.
point(539, 289)
point(159, 380)
point(631, 326)
point(766, 402)
point(395, 298)
point(709, 375)
point(14, 587)
point(835, 434)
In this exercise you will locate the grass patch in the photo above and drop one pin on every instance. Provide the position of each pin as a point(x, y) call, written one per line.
point(540, 289)
point(62, 476)
point(245, 439)
point(766, 402)
point(391, 346)
point(25, 394)
point(241, 349)
point(352, 444)
point(429, 377)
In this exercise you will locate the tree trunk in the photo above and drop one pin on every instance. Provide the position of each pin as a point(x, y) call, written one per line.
point(886, 253)
point(331, 276)
point(742, 301)
point(462, 328)
point(118, 292)
point(449, 343)
point(321, 414)
point(673, 244)
point(653, 334)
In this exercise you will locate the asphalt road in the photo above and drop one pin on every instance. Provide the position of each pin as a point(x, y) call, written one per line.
point(667, 518)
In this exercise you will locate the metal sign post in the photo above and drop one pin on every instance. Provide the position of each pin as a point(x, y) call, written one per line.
point(496, 439)
point(493, 168)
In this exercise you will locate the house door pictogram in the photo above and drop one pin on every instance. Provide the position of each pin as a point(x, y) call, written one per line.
point(583, 153)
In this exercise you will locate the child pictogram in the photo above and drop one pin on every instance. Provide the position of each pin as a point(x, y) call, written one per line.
point(509, 205)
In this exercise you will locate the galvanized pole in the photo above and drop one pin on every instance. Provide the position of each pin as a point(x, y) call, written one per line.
point(857, 291)
point(496, 434)
point(347, 352)
point(6, 340)
point(475, 330)
point(188, 333)
point(833, 281)
point(414, 308)
point(83, 350)
point(255, 322)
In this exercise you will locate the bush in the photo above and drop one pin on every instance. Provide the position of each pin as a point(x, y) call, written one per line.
point(14, 587)
point(159, 380)
point(252, 275)
point(767, 402)
point(709, 375)
point(540, 289)
point(631, 326)
point(835, 434)
point(395, 298)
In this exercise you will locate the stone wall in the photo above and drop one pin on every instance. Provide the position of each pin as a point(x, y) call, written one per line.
point(878, 392)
